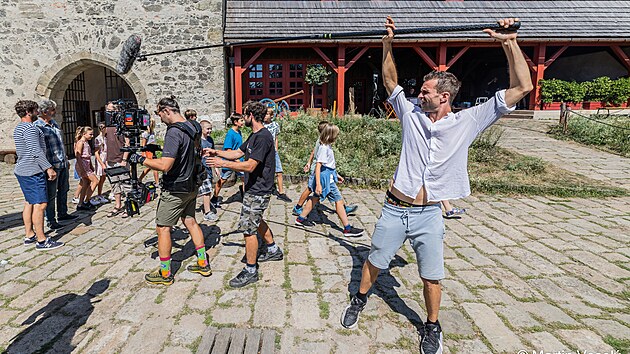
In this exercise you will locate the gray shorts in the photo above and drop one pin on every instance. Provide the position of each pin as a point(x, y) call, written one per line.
point(422, 226)
point(251, 213)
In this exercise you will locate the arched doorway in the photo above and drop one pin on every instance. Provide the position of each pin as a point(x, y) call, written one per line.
point(81, 85)
point(85, 98)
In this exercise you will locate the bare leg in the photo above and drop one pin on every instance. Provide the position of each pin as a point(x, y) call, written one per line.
point(77, 192)
point(164, 241)
point(206, 204)
point(217, 187)
point(195, 231)
point(118, 203)
point(341, 212)
point(280, 186)
point(308, 206)
point(432, 297)
point(100, 184)
point(251, 248)
point(368, 277)
point(92, 186)
point(266, 233)
point(144, 173)
point(85, 185)
point(156, 177)
point(38, 220)
point(304, 196)
point(27, 217)
point(447, 205)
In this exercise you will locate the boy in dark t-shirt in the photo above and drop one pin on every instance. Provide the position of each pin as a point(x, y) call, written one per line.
point(259, 167)
point(209, 212)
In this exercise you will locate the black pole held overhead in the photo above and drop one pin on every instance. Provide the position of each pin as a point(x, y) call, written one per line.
point(126, 61)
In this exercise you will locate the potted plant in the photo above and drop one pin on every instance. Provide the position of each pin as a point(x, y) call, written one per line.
point(316, 75)
point(619, 92)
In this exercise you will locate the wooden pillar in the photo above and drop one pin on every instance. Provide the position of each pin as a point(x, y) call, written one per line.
point(537, 75)
point(238, 80)
point(341, 80)
point(442, 57)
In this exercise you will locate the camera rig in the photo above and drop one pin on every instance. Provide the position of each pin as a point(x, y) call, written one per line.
point(130, 121)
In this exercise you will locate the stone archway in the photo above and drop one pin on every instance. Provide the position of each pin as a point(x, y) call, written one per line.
point(53, 83)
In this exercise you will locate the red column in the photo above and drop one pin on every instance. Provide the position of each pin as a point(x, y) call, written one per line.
point(442, 57)
point(238, 80)
point(341, 80)
point(539, 60)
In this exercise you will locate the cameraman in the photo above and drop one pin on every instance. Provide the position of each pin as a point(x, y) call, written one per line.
point(116, 157)
point(179, 195)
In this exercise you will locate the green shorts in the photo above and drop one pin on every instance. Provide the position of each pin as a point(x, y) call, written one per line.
point(172, 206)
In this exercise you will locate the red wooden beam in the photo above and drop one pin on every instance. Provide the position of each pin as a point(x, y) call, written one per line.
point(622, 56)
point(341, 80)
point(456, 57)
point(442, 57)
point(426, 58)
point(356, 57)
point(251, 60)
point(326, 59)
point(555, 56)
point(238, 81)
point(531, 64)
point(539, 56)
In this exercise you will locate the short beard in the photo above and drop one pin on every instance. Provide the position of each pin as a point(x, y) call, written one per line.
point(250, 124)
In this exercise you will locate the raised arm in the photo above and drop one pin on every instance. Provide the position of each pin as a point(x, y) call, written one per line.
point(520, 81)
point(390, 76)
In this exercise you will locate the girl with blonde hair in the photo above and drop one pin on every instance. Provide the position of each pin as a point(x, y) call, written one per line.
point(84, 168)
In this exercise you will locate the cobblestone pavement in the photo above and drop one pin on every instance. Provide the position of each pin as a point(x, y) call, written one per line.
point(527, 137)
point(522, 273)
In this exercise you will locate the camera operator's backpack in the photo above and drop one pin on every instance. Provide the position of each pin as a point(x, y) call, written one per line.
point(189, 183)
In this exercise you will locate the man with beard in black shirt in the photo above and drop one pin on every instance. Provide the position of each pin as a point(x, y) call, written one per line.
point(259, 167)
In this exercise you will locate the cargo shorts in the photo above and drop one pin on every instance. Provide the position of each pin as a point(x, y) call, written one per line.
point(251, 212)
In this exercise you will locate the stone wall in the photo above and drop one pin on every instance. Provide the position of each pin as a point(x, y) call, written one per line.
point(46, 43)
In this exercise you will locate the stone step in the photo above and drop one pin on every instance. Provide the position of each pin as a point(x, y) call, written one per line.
point(520, 114)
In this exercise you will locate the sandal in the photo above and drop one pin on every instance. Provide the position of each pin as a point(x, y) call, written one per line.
point(115, 212)
point(454, 213)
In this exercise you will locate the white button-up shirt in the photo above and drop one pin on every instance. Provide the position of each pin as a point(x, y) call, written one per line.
point(435, 155)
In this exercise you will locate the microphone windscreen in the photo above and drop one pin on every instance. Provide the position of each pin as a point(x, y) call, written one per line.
point(129, 53)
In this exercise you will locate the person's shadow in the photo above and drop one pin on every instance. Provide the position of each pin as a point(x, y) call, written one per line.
point(385, 283)
point(59, 322)
point(211, 235)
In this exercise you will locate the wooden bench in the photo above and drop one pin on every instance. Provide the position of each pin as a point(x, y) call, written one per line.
point(608, 109)
point(237, 341)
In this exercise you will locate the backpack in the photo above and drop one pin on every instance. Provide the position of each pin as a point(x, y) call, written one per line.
point(189, 183)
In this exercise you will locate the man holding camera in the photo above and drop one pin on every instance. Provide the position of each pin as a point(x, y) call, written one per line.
point(179, 190)
point(116, 157)
point(259, 167)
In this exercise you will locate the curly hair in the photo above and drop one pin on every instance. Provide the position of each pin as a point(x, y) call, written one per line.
point(24, 107)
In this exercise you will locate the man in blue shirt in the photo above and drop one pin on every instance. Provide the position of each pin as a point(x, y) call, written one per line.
point(233, 141)
point(56, 155)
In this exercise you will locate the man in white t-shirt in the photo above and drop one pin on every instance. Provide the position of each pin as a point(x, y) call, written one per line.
point(432, 167)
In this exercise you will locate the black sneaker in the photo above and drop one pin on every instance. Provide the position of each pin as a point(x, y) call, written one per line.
point(85, 207)
point(214, 202)
point(268, 256)
point(352, 231)
point(241, 191)
point(54, 225)
point(304, 222)
point(47, 245)
point(350, 316)
point(67, 217)
point(431, 341)
point(30, 240)
point(243, 278)
point(284, 198)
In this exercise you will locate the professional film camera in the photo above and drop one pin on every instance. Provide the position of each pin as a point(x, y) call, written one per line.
point(130, 121)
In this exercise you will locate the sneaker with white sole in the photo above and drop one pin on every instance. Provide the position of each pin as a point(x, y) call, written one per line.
point(210, 216)
point(102, 199)
point(431, 339)
point(350, 316)
point(48, 244)
point(75, 200)
point(30, 240)
point(95, 201)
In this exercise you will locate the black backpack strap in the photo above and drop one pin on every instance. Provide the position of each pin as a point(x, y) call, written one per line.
point(193, 134)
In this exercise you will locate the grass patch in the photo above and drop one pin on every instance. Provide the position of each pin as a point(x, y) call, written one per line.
point(368, 150)
point(324, 309)
point(613, 136)
point(622, 345)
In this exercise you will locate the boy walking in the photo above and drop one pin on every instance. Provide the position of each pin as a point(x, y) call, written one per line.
point(233, 141)
point(209, 212)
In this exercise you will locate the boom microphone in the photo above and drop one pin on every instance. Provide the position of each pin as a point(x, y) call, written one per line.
point(129, 53)
point(132, 46)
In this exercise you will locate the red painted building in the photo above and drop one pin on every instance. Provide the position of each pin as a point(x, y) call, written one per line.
point(570, 40)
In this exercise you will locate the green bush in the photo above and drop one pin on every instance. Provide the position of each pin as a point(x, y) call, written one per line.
point(555, 90)
point(601, 89)
point(598, 90)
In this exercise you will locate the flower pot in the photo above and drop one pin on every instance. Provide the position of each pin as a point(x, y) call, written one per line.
point(592, 105)
point(552, 106)
point(313, 112)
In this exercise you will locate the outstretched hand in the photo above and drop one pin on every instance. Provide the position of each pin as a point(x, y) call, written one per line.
point(505, 23)
point(207, 152)
point(390, 27)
